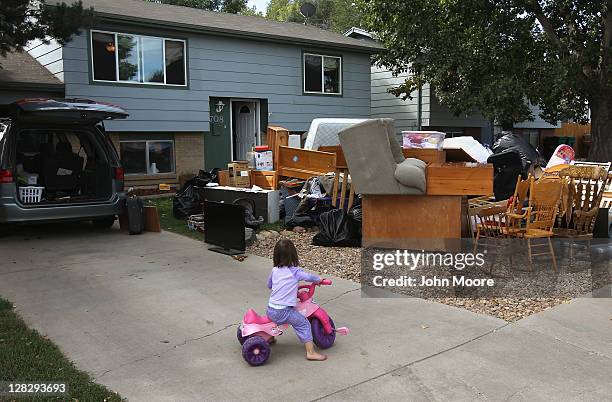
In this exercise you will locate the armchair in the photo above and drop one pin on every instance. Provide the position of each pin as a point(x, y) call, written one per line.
point(375, 160)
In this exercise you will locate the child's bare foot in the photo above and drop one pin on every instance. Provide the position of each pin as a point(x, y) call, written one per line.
point(316, 356)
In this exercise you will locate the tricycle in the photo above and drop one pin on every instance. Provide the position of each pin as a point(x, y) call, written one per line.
point(256, 332)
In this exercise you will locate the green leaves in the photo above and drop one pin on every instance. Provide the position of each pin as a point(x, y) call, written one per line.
point(24, 20)
point(495, 55)
point(335, 15)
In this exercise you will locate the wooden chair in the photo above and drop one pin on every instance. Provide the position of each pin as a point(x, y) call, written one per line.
point(586, 187)
point(490, 233)
point(583, 194)
point(544, 200)
point(502, 220)
point(517, 213)
point(342, 178)
point(514, 212)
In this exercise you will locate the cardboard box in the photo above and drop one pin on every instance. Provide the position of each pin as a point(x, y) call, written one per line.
point(264, 160)
point(223, 176)
point(239, 174)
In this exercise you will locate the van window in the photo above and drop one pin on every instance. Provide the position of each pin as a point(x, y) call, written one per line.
point(3, 128)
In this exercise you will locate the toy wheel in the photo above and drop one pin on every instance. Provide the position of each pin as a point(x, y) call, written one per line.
point(241, 338)
point(256, 351)
point(319, 337)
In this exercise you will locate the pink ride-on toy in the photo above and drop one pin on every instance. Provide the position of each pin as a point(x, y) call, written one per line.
point(255, 331)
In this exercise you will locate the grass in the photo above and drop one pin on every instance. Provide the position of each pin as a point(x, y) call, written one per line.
point(25, 355)
point(170, 223)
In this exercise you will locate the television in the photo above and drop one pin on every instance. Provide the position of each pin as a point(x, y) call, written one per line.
point(224, 227)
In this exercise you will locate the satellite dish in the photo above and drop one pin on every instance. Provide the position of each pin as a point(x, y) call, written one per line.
point(307, 10)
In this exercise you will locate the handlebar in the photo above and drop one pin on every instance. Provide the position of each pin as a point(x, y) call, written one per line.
point(311, 286)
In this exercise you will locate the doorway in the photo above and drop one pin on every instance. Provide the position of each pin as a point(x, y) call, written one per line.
point(245, 127)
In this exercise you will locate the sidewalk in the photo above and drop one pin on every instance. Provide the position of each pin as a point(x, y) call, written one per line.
point(154, 317)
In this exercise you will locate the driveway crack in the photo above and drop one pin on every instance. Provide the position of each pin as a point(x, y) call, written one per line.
point(160, 354)
point(339, 296)
point(412, 363)
point(575, 345)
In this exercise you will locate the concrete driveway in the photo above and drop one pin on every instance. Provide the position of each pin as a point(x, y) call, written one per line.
point(154, 317)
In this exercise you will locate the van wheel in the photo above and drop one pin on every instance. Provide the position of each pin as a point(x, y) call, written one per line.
point(103, 223)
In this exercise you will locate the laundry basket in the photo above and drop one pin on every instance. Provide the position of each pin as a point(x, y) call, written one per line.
point(30, 194)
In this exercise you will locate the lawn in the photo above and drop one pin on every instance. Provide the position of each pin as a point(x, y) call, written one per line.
point(169, 222)
point(25, 355)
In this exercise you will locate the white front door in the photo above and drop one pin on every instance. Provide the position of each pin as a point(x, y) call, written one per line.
point(245, 130)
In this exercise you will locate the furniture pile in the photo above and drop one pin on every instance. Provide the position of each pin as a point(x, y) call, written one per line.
point(564, 205)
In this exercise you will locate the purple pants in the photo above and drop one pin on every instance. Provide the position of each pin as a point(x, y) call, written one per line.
point(290, 316)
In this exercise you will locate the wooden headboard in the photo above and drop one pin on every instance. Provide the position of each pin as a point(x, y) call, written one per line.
point(304, 163)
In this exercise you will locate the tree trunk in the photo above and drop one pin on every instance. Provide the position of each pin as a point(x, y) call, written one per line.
point(601, 129)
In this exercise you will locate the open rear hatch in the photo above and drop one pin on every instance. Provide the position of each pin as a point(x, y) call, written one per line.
point(63, 154)
point(69, 111)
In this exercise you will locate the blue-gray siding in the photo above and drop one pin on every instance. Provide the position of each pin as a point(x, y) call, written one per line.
point(223, 67)
point(434, 114)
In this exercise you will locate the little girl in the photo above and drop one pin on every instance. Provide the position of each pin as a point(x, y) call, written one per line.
point(283, 281)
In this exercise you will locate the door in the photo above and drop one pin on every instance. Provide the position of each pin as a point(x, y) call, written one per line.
point(245, 128)
point(218, 141)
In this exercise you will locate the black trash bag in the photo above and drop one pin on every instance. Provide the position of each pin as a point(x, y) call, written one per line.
point(355, 215)
point(188, 200)
point(303, 220)
point(249, 213)
point(337, 229)
point(309, 216)
point(517, 142)
point(507, 167)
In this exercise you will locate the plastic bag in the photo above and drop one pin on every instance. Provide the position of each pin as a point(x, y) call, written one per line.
point(516, 142)
point(337, 229)
point(507, 166)
point(188, 200)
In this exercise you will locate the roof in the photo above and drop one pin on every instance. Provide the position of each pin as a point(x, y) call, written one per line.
point(20, 70)
point(191, 19)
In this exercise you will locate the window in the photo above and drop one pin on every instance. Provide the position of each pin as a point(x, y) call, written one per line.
point(322, 74)
point(147, 157)
point(137, 59)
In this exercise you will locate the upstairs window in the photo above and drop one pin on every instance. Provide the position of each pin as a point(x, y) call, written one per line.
point(136, 59)
point(322, 74)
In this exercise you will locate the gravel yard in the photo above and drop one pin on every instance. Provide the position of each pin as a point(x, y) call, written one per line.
point(346, 263)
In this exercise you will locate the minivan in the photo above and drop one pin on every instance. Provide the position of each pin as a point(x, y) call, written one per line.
point(58, 163)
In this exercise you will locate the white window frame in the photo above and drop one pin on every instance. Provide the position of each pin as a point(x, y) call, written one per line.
point(164, 39)
point(322, 92)
point(146, 142)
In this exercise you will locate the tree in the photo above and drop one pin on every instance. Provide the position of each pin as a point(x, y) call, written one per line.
point(493, 55)
point(22, 21)
point(335, 15)
point(226, 6)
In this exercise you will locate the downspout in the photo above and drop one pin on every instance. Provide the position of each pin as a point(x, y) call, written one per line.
point(420, 109)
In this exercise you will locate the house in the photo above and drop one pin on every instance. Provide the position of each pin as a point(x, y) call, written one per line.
point(21, 76)
point(424, 111)
point(201, 87)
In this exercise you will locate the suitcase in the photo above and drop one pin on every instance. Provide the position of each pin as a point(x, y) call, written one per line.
point(135, 213)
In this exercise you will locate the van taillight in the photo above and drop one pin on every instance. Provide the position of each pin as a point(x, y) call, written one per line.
point(119, 173)
point(6, 176)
